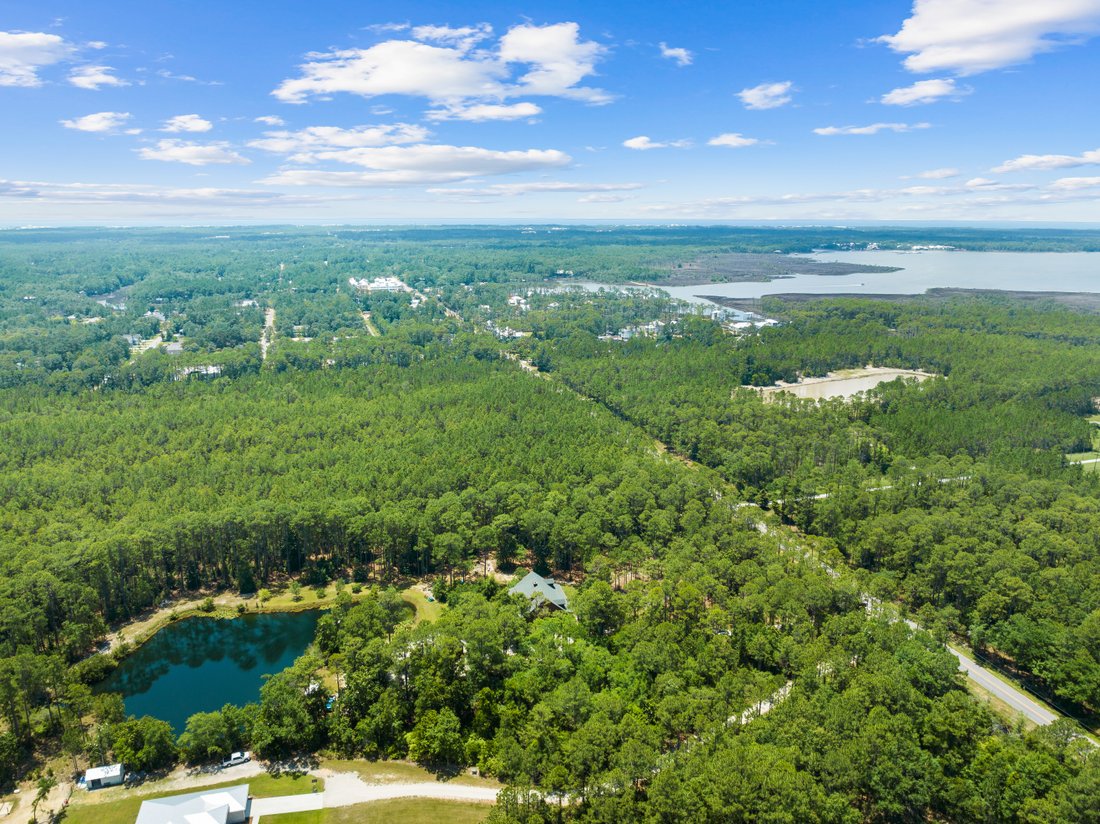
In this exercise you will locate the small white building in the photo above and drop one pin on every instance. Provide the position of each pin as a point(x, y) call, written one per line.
point(109, 775)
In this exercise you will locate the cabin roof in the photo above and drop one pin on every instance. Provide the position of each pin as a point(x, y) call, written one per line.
point(537, 588)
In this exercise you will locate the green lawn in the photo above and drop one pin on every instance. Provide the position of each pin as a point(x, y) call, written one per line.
point(425, 610)
point(105, 807)
point(390, 772)
point(399, 811)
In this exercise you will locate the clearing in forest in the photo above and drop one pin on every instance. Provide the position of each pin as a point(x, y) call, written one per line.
point(842, 384)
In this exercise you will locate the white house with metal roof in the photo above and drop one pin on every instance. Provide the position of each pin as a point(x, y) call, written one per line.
point(228, 805)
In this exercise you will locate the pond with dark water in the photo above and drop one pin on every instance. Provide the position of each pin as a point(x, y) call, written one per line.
point(200, 664)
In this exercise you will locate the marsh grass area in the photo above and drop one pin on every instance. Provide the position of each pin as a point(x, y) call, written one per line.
point(118, 805)
point(741, 267)
point(842, 384)
point(399, 811)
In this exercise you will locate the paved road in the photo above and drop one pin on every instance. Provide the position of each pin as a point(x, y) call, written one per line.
point(1019, 701)
point(1013, 696)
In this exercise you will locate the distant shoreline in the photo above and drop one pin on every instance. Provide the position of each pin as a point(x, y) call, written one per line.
point(1079, 300)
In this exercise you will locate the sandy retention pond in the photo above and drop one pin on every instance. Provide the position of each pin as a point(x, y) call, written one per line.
point(842, 384)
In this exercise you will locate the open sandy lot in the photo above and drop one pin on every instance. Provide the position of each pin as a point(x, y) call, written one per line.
point(842, 384)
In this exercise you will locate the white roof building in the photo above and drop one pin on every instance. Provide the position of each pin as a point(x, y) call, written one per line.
point(225, 806)
point(108, 775)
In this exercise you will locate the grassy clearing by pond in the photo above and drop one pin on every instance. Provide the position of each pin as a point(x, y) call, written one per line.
point(398, 811)
point(107, 807)
point(397, 772)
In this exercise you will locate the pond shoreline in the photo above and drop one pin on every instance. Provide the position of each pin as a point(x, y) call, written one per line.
point(129, 636)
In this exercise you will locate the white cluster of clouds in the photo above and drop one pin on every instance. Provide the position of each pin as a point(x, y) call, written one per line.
point(925, 91)
point(872, 128)
point(456, 71)
point(217, 153)
point(421, 163)
point(681, 56)
point(729, 140)
point(733, 140)
point(101, 123)
point(481, 112)
point(95, 78)
point(944, 173)
point(1033, 162)
point(767, 95)
point(303, 145)
point(187, 123)
point(969, 37)
point(23, 54)
point(642, 143)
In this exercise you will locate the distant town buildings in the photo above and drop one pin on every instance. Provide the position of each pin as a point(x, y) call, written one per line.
point(383, 284)
point(506, 332)
point(211, 371)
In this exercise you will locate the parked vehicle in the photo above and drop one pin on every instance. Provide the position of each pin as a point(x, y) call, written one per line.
point(237, 758)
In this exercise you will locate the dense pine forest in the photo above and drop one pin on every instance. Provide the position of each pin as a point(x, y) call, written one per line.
point(183, 415)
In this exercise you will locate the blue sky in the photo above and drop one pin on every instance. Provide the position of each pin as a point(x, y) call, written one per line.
point(202, 112)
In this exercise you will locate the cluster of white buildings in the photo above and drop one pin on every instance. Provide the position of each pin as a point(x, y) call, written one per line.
point(383, 284)
point(644, 330)
point(506, 332)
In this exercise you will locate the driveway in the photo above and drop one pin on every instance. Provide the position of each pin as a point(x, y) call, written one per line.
point(343, 789)
point(286, 804)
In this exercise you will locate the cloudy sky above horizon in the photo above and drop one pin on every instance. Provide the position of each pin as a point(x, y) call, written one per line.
point(960, 110)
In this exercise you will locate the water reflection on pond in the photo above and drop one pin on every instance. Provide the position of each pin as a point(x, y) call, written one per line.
point(199, 664)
